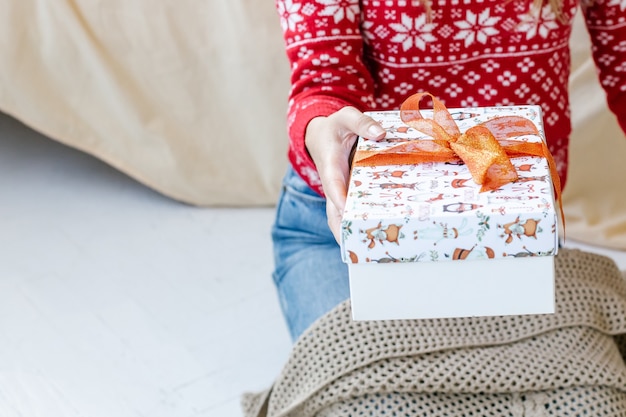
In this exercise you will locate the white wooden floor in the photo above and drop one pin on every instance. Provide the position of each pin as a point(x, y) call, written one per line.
point(117, 302)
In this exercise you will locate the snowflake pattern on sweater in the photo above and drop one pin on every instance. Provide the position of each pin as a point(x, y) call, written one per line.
point(372, 54)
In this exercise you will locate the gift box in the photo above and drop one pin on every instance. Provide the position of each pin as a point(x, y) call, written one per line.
point(424, 240)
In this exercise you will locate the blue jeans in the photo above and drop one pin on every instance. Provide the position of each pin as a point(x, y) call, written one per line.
point(309, 274)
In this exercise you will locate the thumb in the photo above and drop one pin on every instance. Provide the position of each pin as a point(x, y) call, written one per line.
point(374, 130)
point(360, 124)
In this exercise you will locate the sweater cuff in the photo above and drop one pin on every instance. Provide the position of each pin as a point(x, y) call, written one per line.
point(300, 115)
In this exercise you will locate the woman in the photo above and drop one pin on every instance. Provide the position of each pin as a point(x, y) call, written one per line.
point(350, 56)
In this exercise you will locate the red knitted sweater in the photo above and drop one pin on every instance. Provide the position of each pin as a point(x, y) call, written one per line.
point(372, 54)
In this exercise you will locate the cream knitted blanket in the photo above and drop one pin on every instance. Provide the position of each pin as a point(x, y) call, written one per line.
point(569, 363)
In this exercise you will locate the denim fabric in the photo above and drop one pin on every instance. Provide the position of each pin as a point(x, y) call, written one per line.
point(309, 274)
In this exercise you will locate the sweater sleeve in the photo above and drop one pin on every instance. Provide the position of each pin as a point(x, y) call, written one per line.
point(325, 49)
point(606, 23)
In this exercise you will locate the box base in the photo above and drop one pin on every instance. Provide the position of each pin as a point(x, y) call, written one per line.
point(418, 290)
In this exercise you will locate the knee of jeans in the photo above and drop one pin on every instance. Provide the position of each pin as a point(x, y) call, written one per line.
point(299, 228)
point(310, 266)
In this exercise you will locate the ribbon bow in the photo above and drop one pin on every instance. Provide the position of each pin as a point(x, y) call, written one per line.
point(486, 148)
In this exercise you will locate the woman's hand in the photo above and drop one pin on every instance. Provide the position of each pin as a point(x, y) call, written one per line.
point(329, 141)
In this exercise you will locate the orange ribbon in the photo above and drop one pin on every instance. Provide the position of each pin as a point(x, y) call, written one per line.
point(486, 148)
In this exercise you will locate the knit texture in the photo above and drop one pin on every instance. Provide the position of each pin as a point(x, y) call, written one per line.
point(560, 364)
point(372, 54)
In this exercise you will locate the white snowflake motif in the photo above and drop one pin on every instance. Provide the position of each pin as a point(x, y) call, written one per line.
point(606, 60)
point(604, 38)
point(382, 32)
point(620, 47)
point(368, 101)
point(325, 60)
point(413, 32)
point(477, 27)
point(304, 52)
point(507, 78)
point(610, 81)
point(454, 90)
point(384, 101)
point(538, 76)
point(326, 78)
point(340, 9)
point(471, 77)
point(554, 94)
point(386, 76)
point(490, 66)
point(437, 81)
point(522, 90)
point(309, 72)
point(556, 62)
point(343, 48)
point(421, 74)
point(469, 102)
point(289, 16)
point(536, 99)
point(308, 9)
point(403, 88)
point(547, 85)
point(552, 118)
point(620, 3)
point(350, 70)
point(538, 21)
point(525, 64)
point(488, 92)
point(456, 69)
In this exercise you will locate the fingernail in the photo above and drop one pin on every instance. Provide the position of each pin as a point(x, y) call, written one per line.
point(375, 130)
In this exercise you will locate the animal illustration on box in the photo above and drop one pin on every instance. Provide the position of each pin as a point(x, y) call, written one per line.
point(528, 228)
point(431, 197)
point(376, 175)
point(524, 167)
point(460, 207)
point(393, 186)
point(397, 129)
point(541, 178)
point(476, 252)
point(461, 182)
point(493, 198)
point(385, 204)
point(397, 195)
point(380, 234)
point(360, 194)
point(463, 115)
point(528, 187)
point(390, 259)
point(440, 231)
point(527, 253)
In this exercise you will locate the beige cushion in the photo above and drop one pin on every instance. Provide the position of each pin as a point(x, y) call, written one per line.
point(189, 98)
point(595, 197)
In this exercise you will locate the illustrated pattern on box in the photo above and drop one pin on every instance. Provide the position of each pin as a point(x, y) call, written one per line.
point(435, 212)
